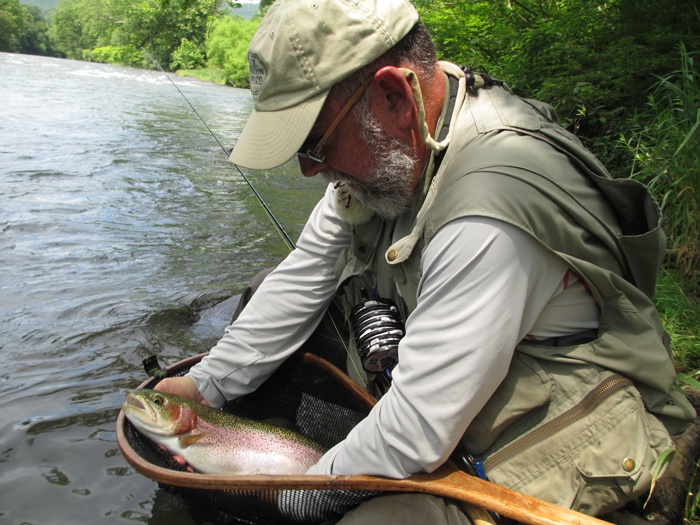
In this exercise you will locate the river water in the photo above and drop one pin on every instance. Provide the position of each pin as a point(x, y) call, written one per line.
point(121, 224)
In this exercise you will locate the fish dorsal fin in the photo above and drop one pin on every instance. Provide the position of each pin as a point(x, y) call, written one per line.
point(186, 441)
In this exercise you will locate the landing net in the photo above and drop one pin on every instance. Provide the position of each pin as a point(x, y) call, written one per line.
point(305, 394)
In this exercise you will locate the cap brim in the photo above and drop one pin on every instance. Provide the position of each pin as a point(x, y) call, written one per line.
point(271, 138)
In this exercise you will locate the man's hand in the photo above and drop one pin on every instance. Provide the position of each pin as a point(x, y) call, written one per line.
point(182, 386)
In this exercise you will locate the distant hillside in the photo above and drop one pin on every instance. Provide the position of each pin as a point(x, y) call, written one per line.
point(44, 5)
point(247, 10)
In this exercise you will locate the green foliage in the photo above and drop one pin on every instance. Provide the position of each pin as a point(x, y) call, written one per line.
point(23, 29)
point(78, 26)
point(264, 6)
point(664, 142)
point(45, 6)
point(160, 26)
point(206, 74)
point(10, 25)
point(689, 380)
point(593, 61)
point(34, 39)
point(680, 313)
point(118, 55)
point(661, 463)
point(227, 47)
point(188, 56)
point(476, 32)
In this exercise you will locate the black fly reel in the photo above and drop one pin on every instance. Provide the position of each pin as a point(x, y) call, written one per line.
point(378, 329)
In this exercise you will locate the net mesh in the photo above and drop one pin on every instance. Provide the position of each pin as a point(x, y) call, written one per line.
point(300, 395)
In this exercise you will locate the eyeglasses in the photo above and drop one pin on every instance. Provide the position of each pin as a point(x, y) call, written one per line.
point(316, 153)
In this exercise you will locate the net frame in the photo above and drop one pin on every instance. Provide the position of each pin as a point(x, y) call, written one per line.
point(293, 499)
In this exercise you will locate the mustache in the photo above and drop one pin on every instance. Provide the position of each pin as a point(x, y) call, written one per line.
point(333, 175)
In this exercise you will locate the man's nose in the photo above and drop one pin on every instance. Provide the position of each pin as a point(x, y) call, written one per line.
point(310, 168)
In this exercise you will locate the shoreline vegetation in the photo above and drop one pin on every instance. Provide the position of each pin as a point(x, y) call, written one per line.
point(206, 74)
point(623, 76)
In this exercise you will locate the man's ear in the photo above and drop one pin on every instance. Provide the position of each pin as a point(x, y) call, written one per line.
point(391, 99)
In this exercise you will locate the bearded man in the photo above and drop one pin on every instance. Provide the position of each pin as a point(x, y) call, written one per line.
point(522, 271)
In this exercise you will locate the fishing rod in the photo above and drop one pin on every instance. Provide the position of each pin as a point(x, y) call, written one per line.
point(278, 225)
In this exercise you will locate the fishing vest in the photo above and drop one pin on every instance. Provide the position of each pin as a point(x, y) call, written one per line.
point(508, 160)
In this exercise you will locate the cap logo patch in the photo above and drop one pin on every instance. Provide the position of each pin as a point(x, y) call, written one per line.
point(257, 74)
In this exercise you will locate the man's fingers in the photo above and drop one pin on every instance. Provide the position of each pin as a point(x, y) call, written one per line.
point(181, 386)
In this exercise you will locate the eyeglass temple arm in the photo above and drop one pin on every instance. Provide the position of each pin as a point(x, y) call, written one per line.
point(348, 106)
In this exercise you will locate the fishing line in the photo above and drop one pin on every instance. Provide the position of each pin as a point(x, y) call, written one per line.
point(278, 225)
point(94, 123)
point(280, 229)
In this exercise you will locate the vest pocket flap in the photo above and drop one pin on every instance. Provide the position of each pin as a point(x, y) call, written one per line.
point(526, 387)
point(620, 454)
point(621, 467)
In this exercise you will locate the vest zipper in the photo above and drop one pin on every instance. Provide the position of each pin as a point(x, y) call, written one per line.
point(593, 399)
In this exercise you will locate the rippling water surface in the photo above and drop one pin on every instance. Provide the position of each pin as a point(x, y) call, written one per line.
point(121, 222)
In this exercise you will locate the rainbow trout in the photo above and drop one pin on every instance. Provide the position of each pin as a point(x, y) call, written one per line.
point(216, 442)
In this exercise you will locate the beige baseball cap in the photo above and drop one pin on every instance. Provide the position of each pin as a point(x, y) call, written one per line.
point(302, 49)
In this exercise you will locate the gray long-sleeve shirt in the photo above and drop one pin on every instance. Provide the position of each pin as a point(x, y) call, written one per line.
point(485, 286)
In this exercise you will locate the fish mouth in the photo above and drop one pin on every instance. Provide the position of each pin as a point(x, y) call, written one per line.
point(146, 414)
point(135, 407)
point(135, 402)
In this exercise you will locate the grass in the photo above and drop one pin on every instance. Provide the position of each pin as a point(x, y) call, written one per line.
point(664, 145)
point(208, 74)
point(680, 313)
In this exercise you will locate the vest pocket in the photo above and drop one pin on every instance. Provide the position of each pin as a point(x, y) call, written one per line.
point(621, 470)
point(526, 387)
point(593, 458)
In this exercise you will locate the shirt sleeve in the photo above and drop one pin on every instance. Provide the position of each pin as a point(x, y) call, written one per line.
point(484, 283)
point(281, 315)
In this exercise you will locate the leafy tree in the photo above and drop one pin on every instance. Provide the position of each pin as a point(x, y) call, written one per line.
point(34, 39)
point(81, 26)
point(78, 26)
point(227, 47)
point(187, 56)
point(594, 61)
point(23, 29)
point(161, 25)
point(264, 5)
point(10, 25)
point(120, 55)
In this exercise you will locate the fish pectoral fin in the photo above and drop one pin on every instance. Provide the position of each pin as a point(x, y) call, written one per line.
point(186, 441)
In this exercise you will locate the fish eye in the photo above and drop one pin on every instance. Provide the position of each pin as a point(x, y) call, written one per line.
point(158, 400)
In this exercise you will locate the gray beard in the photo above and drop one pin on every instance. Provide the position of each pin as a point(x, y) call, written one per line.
point(387, 189)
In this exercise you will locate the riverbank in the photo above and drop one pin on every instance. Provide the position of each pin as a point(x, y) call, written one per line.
point(206, 74)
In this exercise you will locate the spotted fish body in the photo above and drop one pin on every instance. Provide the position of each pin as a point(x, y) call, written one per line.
point(216, 442)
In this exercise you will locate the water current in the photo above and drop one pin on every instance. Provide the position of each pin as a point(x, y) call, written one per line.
point(122, 225)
